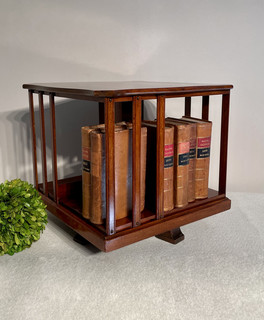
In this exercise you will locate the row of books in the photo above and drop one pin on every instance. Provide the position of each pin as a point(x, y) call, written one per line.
point(186, 166)
point(186, 160)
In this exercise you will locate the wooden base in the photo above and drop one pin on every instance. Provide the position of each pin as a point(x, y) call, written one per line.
point(173, 236)
point(68, 210)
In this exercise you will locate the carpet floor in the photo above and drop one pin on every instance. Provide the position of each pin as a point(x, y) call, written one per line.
point(217, 272)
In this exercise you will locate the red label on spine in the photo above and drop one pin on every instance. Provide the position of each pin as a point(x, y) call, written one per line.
point(204, 142)
point(86, 153)
point(183, 147)
point(168, 150)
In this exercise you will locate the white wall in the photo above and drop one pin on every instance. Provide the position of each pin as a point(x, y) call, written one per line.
point(184, 41)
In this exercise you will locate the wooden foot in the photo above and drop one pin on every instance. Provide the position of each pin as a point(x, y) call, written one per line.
point(79, 239)
point(173, 236)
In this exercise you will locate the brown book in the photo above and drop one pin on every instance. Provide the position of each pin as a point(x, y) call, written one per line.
point(86, 172)
point(123, 173)
point(143, 156)
point(86, 167)
point(151, 165)
point(181, 162)
point(203, 130)
point(192, 157)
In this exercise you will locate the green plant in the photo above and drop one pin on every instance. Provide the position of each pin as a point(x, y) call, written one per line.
point(22, 216)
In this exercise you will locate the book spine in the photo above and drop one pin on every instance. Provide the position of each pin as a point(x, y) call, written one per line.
point(151, 163)
point(123, 201)
point(168, 169)
point(192, 163)
point(202, 159)
point(98, 177)
point(143, 157)
point(86, 172)
point(181, 174)
point(97, 213)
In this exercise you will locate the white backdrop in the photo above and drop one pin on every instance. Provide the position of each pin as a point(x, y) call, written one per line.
point(156, 40)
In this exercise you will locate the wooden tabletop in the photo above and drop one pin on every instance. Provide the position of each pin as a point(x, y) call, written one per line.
point(122, 88)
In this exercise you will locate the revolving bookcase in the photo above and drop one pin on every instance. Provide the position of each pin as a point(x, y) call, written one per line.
point(119, 101)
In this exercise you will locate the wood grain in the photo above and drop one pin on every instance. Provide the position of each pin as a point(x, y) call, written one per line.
point(136, 161)
point(110, 165)
point(43, 144)
point(33, 137)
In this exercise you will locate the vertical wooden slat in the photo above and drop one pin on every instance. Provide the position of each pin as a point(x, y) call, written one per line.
point(187, 106)
point(224, 143)
point(136, 161)
point(54, 147)
point(110, 165)
point(33, 136)
point(205, 108)
point(43, 144)
point(160, 157)
point(101, 112)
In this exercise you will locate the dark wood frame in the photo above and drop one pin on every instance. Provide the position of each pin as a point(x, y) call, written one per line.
point(116, 234)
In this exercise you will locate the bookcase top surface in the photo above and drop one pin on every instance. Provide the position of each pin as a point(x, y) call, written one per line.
point(123, 88)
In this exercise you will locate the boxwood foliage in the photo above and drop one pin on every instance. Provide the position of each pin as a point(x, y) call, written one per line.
point(22, 216)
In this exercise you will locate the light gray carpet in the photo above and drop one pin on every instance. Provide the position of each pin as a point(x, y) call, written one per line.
point(216, 273)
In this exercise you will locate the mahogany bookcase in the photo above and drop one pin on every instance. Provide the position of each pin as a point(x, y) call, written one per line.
point(125, 101)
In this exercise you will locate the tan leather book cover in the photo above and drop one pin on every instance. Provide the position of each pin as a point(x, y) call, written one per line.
point(123, 172)
point(181, 162)
point(86, 172)
point(98, 187)
point(86, 168)
point(142, 166)
point(192, 158)
point(203, 130)
point(151, 166)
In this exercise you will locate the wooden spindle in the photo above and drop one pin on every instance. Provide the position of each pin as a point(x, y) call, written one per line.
point(224, 143)
point(54, 147)
point(160, 157)
point(43, 144)
point(110, 165)
point(188, 102)
point(33, 137)
point(205, 108)
point(136, 161)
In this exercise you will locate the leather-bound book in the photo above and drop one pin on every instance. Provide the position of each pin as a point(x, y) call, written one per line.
point(143, 156)
point(86, 169)
point(151, 166)
point(181, 162)
point(203, 130)
point(192, 160)
point(123, 173)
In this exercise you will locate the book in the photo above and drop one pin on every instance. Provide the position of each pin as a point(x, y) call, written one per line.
point(181, 162)
point(86, 169)
point(123, 173)
point(143, 155)
point(151, 165)
point(192, 157)
point(203, 144)
point(86, 166)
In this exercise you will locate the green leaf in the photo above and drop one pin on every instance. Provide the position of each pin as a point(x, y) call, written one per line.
point(16, 239)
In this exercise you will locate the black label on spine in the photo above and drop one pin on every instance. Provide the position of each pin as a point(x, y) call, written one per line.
point(184, 159)
point(203, 153)
point(86, 165)
point(168, 162)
